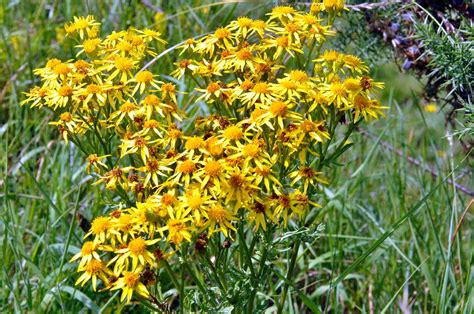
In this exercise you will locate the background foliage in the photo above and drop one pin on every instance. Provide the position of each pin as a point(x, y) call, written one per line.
point(396, 235)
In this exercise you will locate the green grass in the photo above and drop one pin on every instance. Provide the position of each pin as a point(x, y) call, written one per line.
point(388, 226)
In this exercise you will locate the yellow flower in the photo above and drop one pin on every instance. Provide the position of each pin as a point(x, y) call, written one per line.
point(136, 251)
point(87, 253)
point(130, 283)
point(367, 108)
point(150, 35)
point(333, 5)
point(81, 25)
point(291, 204)
point(177, 226)
point(137, 144)
point(95, 92)
point(142, 80)
point(279, 111)
point(153, 104)
point(282, 44)
point(95, 161)
point(222, 38)
point(238, 187)
point(36, 95)
point(242, 26)
point(212, 92)
point(354, 63)
point(121, 67)
point(337, 94)
point(431, 108)
point(152, 169)
point(219, 219)
point(212, 172)
point(197, 201)
point(93, 269)
point(242, 60)
point(184, 172)
point(100, 229)
point(265, 174)
point(89, 46)
point(315, 130)
point(233, 134)
point(283, 13)
point(306, 176)
point(261, 92)
point(258, 211)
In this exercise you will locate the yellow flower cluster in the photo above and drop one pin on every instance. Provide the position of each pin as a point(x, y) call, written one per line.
point(249, 150)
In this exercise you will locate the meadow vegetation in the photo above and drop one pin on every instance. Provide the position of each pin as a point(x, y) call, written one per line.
point(393, 234)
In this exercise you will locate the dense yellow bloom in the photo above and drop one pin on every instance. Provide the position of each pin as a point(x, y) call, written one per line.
point(240, 150)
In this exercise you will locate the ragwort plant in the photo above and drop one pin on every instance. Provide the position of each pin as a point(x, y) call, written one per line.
point(279, 110)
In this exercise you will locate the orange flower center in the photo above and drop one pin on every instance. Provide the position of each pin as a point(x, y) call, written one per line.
point(100, 224)
point(222, 33)
point(168, 88)
point(338, 89)
point(246, 85)
point(150, 124)
point(291, 27)
point(278, 108)
point(298, 76)
point(244, 54)
point(186, 167)
point(65, 91)
point(308, 126)
point(194, 143)
point(137, 246)
point(194, 201)
point(93, 89)
point(213, 168)
point(61, 69)
point(233, 133)
point(152, 165)
point(168, 199)
point(244, 22)
point(123, 64)
point(236, 181)
point(87, 248)
point(65, 117)
point(213, 87)
point(282, 41)
point(217, 213)
point(94, 267)
point(144, 77)
point(127, 107)
point(131, 279)
point(261, 88)
point(251, 150)
point(151, 100)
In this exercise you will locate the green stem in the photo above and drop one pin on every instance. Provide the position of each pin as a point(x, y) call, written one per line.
point(171, 274)
point(216, 274)
point(181, 291)
point(246, 250)
point(197, 281)
point(289, 274)
point(260, 271)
